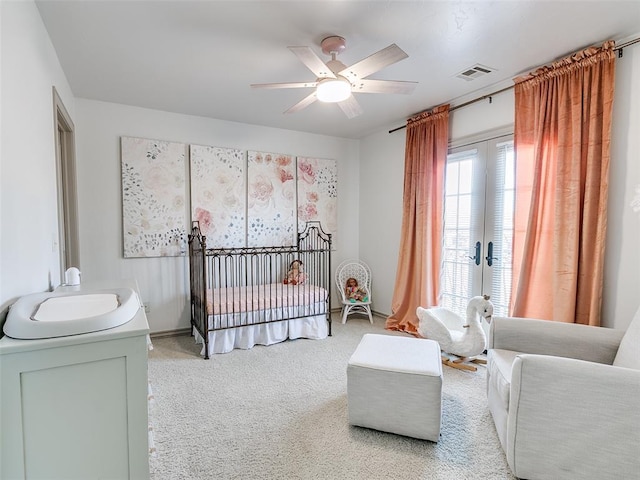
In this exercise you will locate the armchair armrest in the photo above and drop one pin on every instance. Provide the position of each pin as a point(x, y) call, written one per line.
point(587, 413)
point(544, 337)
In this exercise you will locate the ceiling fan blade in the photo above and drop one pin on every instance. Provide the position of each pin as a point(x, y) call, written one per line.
point(312, 62)
point(350, 107)
point(305, 102)
point(285, 85)
point(384, 86)
point(373, 63)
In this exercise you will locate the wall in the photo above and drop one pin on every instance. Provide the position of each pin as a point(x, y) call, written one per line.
point(163, 282)
point(380, 220)
point(621, 296)
point(381, 185)
point(29, 258)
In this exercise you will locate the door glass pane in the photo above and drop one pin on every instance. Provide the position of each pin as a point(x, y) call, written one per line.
point(451, 178)
point(502, 234)
point(456, 279)
point(466, 175)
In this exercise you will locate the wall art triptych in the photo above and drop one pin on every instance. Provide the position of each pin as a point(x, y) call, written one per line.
point(253, 199)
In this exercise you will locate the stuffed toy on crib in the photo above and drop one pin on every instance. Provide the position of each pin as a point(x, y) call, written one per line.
point(355, 293)
point(295, 275)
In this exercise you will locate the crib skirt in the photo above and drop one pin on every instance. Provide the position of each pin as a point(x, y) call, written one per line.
point(223, 341)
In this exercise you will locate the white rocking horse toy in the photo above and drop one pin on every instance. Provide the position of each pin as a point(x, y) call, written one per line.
point(454, 337)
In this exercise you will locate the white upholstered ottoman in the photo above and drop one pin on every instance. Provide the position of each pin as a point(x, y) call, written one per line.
point(394, 384)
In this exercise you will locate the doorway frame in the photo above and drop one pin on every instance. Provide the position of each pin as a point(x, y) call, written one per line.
point(66, 183)
point(484, 148)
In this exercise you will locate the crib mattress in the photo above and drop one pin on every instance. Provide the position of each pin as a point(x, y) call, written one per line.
point(262, 297)
point(249, 316)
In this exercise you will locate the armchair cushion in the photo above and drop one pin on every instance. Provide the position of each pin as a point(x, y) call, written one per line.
point(544, 337)
point(500, 375)
point(629, 352)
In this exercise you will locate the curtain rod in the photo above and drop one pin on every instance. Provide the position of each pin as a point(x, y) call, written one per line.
point(489, 95)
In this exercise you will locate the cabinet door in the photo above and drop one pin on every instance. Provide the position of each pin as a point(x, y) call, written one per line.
point(75, 411)
point(75, 421)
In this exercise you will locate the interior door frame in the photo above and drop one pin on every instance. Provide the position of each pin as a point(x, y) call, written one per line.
point(66, 182)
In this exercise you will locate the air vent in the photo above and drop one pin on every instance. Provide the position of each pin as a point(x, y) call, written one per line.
point(474, 72)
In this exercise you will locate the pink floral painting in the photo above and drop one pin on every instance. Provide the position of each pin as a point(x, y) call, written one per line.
point(271, 199)
point(318, 192)
point(218, 199)
point(153, 197)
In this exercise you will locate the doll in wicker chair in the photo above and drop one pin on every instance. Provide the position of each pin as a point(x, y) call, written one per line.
point(355, 293)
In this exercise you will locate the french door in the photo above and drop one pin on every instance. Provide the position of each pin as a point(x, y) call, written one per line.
point(478, 225)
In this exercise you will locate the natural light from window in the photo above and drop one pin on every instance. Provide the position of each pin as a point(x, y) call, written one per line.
point(478, 225)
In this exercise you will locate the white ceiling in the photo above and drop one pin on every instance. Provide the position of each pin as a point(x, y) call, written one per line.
point(199, 57)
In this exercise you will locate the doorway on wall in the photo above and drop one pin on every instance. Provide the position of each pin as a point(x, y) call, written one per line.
point(68, 237)
point(478, 225)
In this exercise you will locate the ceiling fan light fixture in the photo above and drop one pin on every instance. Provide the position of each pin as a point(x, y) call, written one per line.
point(333, 90)
point(335, 82)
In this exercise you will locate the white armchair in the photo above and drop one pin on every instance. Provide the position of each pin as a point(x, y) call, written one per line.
point(565, 398)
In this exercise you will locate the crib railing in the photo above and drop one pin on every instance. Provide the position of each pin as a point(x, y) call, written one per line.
point(245, 286)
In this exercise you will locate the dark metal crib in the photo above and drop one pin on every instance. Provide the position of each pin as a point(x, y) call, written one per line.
point(242, 287)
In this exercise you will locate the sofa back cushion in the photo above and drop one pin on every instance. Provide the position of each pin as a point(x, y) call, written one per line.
point(628, 355)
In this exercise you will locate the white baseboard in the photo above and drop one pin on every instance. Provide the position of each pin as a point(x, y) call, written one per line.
point(171, 333)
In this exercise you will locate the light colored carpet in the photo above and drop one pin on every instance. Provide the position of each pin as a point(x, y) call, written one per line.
point(280, 412)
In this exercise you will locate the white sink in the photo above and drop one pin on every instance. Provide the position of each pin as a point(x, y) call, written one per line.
point(60, 314)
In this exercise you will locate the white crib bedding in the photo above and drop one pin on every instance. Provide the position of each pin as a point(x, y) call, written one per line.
point(234, 307)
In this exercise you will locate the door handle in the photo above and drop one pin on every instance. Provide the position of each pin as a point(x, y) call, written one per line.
point(478, 256)
point(490, 258)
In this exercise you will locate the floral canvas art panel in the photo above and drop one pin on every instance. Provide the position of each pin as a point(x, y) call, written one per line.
point(153, 197)
point(271, 199)
point(218, 194)
point(318, 193)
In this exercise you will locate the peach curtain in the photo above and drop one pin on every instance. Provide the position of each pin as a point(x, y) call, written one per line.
point(562, 136)
point(421, 236)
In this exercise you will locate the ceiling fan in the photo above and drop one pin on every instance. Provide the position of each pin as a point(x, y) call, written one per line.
point(335, 82)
